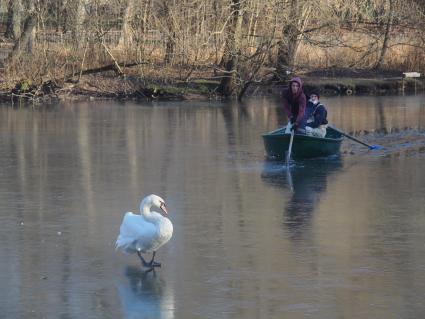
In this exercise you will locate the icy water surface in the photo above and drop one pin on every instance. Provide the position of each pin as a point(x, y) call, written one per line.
point(332, 238)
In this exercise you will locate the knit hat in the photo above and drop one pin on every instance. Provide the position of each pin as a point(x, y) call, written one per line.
point(315, 93)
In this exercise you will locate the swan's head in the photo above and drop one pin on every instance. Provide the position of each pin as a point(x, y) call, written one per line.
point(156, 201)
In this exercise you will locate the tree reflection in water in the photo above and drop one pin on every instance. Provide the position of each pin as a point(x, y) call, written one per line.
point(306, 182)
point(146, 295)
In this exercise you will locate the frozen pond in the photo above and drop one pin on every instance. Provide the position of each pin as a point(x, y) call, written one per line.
point(346, 242)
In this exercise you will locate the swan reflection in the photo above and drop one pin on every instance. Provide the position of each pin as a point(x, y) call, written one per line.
point(307, 181)
point(146, 295)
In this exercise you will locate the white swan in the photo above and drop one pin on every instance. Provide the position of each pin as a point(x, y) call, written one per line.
point(146, 232)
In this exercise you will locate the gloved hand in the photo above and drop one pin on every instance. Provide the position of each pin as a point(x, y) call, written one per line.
point(294, 126)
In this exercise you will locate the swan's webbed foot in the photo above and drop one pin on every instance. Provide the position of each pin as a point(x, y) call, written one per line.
point(147, 271)
point(151, 264)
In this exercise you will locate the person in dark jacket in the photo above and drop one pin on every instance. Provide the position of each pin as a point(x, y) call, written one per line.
point(315, 117)
point(294, 103)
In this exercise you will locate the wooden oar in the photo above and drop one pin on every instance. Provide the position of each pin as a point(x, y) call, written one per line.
point(288, 156)
point(371, 147)
point(289, 178)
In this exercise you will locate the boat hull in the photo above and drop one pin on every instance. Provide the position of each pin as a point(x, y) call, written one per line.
point(276, 144)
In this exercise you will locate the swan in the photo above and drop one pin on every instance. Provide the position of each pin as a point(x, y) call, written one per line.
point(146, 232)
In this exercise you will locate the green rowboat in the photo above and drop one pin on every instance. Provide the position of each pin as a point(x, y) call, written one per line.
point(276, 144)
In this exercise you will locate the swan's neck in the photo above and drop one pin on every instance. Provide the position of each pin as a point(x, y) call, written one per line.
point(145, 211)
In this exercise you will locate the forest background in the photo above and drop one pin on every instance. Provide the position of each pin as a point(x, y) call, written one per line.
point(225, 48)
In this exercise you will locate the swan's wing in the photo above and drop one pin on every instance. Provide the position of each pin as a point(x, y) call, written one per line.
point(135, 234)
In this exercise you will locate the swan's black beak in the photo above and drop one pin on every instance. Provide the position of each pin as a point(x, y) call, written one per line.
point(164, 209)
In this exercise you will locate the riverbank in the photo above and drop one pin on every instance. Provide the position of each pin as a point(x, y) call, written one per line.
point(203, 86)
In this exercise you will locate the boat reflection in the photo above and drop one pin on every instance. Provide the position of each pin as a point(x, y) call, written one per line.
point(146, 295)
point(307, 181)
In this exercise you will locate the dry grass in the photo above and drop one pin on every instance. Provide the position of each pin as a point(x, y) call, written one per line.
point(58, 61)
point(360, 51)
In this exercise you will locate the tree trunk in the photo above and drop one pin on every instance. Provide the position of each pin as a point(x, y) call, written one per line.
point(24, 38)
point(30, 7)
point(171, 34)
point(388, 26)
point(14, 19)
point(298, 14)
point(142, 27)
point(169, 50)
point(126, 30)
point(76, 21)
point(231, 51)
point(287, 49)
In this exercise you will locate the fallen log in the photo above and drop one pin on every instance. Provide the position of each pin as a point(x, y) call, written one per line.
point(109, 67)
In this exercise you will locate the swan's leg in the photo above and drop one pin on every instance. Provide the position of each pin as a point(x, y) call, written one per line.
point(152, 262)
point(146, 272)
point(144, 263)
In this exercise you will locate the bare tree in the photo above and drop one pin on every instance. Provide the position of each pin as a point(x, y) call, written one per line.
point(126, 38)
point(388, 25)
point(232, 48)
point(14, 19)
point(296, 18)
point(140, 25)
point(166, 13)
point(76, 15)
point(242, 41)
point(24, 38)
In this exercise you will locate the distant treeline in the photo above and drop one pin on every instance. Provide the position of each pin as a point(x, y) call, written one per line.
point(238, 42)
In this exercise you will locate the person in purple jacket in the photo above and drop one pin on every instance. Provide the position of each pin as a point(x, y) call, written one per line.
point(294, 103)
point(315, 117)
